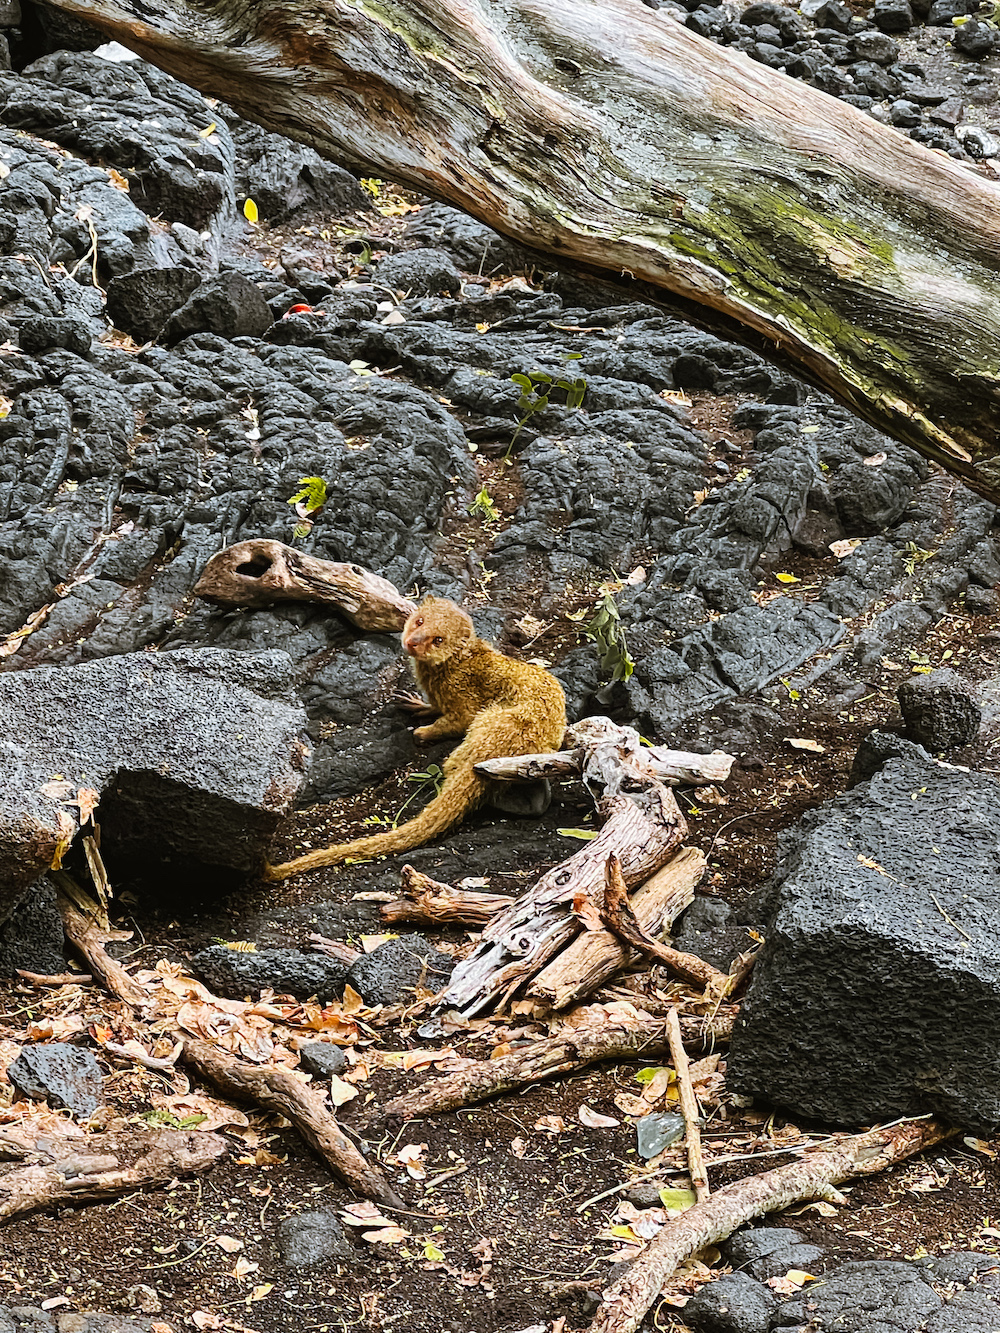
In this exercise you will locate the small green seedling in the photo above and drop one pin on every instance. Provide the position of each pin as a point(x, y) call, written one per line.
point(307, 501)
point(536, 387)
point(484, 507)
point(605, 629)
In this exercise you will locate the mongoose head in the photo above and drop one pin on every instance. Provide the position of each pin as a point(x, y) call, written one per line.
point(437, 630)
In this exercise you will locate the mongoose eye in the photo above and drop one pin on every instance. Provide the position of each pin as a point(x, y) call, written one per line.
point(439, 639)
point(419, 621)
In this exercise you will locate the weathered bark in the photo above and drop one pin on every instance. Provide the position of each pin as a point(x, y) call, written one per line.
point(595, 955)
point(261, 572)
point(426, 899)
point(813, 1177)
point(674, 768)
point(643, 828)
point(75, 1169)
point(611, 136)
point(278, 1090)
point(602, 1037)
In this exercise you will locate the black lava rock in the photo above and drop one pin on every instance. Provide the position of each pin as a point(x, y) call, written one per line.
point(233, 973)
point(939, 711)
point(390, 973)
point(63, 1075)
point(974, 40)
point(141, 302)
point(893, 15)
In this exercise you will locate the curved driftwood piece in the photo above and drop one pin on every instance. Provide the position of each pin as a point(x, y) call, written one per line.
point(601, 1037)
point(643, 827)
point(278, 1090)
point(618, 915)
point(814, 1176)
point(596, 955)
point(674, 768)
point(260, 572)
point(85, 1168)
point(611, 136)
point(426, 899)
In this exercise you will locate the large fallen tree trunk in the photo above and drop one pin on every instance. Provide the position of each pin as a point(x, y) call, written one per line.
point(611, 136)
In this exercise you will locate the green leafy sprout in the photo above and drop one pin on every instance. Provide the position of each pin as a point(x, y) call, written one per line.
point(605, 629)
point(307, 501)
point(484, 506)
point(536, 387)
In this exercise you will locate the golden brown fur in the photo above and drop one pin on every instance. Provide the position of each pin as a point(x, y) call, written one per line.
point(501, 706)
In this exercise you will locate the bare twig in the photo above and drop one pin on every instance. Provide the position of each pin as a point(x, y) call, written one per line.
point(689, 1107)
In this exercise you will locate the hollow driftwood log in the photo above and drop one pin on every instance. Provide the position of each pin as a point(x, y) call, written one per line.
point(643, 827)
point(610, 135)
point(599, 1037)
point(79, 1169)
point(426, 899)
point(595, 955)
point(814, 1176)
point(261, 572)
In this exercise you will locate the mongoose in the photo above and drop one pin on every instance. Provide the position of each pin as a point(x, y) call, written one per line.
point(502, 707)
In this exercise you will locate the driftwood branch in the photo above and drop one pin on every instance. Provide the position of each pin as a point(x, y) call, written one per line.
point(671, 767)
point(74, 1170)
point(619, 917)
point(268, 1086)
point(599, 1036)
point(279, 1091)
point(426, 899)
point(89, 940)
point(814, 1176)
point(261, 572)
point(595, 955)
point(689, 1107)
point(643, 828)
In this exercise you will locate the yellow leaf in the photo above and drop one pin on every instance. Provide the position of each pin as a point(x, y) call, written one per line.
point(260, 1292)
point(786, 578)
point(585, 835)
point(623, 1233)
point(209, 129)
point(250, 210)
point(678, 1201)
point(432, 1253)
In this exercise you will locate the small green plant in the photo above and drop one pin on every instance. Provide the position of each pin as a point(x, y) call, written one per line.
point(307, 501)
point(484, 507)
point(605, 629)
point(536, 387)
point(914, 555)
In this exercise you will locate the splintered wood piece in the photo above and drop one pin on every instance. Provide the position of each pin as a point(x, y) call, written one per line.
point(89, 940)
point(596, 955)
point(81, 1168)
point(618, 916)
point(278, 1090)
point(643, 829)
point(426, 899)
point(602, 1036)
point(259, 572)
point(689, 1107)
point(813, 1176)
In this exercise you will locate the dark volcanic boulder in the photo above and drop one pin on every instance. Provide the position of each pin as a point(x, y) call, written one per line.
point(188, 759)
point(877, 993)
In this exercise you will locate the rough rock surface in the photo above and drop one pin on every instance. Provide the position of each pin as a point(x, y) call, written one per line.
point(884, 906)
point(185, 756)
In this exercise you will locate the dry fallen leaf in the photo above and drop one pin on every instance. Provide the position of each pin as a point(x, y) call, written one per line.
point(594, 1119)
point(551, 1124)
point(803, 743)
point(229, 1243)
